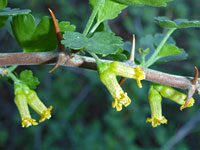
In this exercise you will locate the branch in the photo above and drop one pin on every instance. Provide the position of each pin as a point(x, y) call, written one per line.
point(50, 58)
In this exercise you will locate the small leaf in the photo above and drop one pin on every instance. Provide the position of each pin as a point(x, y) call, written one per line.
point(165, 22)
point(66, 26)
point(40, 38)
point(27, 77)
point(3, 3)
point(74, 40)
point(109, 10)
point(156, 3)
point(13, 12)
point(104, 43)
point(168, 53)
point(169, 49)
point(120, 55)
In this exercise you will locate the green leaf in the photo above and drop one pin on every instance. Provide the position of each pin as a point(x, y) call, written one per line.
point(165, 22)
point(169, 52)
point(13, 12)
point(120, 55)
point(27, 77)
point(109, 10)
point(38, 38)
point(169, 49)
point(3, 3)
point(66, 26)
point(104, 43)
point(156, 3)
point(74, 40)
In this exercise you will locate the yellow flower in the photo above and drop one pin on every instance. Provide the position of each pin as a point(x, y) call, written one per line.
point(108, 77)
point(156, 109)
point(21, 102)
point(24, 97)
point(38, 106)
point(108, 73)
point(120, 98)
point(176, 96)
point(128, 72)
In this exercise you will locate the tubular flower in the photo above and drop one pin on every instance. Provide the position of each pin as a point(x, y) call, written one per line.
point(21, 102)
point(108, 77)
point(38, 106)
point(176, 96)
point(24, 97)
point(156, 110)
point(128, 72)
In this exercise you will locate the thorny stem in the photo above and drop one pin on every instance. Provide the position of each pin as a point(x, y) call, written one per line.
point(153, 59)
point(39, 58)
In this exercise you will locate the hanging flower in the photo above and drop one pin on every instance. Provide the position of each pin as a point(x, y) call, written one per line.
point(21, 102)
point(24, 97)
point(176, 96)
point(108, 73)
point(37, 105)
point(128, 72)
point(156, 109)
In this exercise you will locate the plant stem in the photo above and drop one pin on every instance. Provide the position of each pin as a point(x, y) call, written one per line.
point(92, 17)
point(12, 68)
point(95, 27)
point(95, 57)
point(153, 59)
point(13, 77)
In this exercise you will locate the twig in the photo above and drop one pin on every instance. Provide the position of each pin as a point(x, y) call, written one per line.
point(40, 58)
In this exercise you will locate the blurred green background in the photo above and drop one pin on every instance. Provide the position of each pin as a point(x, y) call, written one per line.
point(82, 117)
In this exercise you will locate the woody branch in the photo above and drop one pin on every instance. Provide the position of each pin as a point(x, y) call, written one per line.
point(50, 58)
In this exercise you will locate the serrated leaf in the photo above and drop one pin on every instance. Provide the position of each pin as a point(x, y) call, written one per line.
point(3, 3)
point(104, 43)
point(156, 3)
point(109, 10)
point(168, 50)
point(74, 40)
point(27, 77)
point(13, 12)
point(38, 38)
point(165, 22)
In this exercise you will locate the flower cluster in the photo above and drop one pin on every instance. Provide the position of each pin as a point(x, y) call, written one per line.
point(155, 97)
point(24, 97)
point(108, 73)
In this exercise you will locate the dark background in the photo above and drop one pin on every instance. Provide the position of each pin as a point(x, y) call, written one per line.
point(82, 117)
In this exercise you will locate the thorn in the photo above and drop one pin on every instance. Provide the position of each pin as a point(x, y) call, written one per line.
point(196, 76)
point(122, 80)
point(192, 90)
point(132, 50)
point(57, 29)
point(61, 60)
point(131, 59)
point(61, 48)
